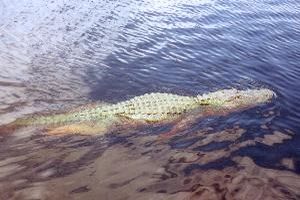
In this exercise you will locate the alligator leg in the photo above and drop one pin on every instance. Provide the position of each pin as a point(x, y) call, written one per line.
point(84, 128)
point(188, 119)
point(100, 127)
point(80, 128)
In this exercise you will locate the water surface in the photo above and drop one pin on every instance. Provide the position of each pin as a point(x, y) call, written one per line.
point(56, 55)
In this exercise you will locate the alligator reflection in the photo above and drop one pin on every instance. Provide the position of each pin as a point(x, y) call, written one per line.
point(206, 163)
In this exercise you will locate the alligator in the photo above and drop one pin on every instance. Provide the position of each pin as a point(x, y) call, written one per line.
point(145, 109)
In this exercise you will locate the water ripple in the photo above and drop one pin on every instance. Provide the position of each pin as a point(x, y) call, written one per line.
point(58, 54)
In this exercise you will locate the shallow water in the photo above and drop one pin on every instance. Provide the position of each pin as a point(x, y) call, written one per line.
point(56, 55)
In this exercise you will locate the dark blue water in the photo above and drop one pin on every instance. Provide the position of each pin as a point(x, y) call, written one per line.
point(203, 46)
point(59, 54)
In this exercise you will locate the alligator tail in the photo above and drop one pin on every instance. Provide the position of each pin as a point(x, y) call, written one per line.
point(44, 120)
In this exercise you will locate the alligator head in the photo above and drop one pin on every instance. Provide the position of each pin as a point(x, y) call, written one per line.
point(237, 99)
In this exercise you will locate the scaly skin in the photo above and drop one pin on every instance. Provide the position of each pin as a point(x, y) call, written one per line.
point(156, 107)
point(149, 107)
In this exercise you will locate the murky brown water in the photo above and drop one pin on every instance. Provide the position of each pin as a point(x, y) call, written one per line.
point(56, 55)
point(136, 165)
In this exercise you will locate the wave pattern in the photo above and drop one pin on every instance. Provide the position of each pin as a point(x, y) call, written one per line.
point(57, 54)
point(48, 47)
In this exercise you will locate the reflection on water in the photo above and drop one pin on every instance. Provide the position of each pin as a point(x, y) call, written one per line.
point(47, 47)
point(134, 165)
point(60, 54)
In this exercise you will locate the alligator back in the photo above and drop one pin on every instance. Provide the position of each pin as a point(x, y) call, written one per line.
point(154, 107)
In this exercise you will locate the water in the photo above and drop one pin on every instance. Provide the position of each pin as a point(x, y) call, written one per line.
point(55, 55)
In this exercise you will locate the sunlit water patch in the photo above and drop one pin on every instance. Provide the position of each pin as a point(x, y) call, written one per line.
point(48, 47)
